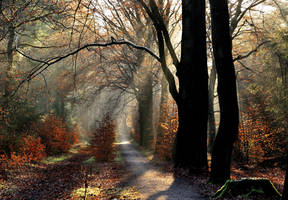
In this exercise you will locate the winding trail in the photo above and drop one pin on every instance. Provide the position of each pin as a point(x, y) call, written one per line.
point(150, 181)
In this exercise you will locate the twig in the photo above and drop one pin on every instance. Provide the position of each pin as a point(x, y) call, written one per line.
point(240, 57)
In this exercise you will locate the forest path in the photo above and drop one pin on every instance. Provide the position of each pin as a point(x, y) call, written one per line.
point(151, 182)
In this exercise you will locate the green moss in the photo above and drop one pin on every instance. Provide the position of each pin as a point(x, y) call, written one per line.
point(247, 187)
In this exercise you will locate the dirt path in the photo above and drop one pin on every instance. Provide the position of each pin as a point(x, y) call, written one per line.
point(150, 181)
point(111, 180)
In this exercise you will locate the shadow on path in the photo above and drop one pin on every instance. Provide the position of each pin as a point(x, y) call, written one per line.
point(150, 181)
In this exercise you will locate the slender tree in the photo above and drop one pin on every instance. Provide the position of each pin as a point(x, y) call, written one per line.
point(227, 93)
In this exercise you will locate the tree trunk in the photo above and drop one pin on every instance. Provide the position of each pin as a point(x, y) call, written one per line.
point(8, 72)
point(190, 150)
point(227, 92)
point(211, 116)
point(163, 112)
point(145, 109)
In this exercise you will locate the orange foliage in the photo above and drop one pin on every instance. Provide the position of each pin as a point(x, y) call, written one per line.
point(14, 160)
point(258, 139)
point(32, 148)
point(103, 140)
point(167, 133)
point(55, 135)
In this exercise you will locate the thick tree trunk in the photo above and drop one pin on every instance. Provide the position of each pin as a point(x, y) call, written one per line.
point(211, 116)
point(8, 72)
point(191, 140)
point(227, 92)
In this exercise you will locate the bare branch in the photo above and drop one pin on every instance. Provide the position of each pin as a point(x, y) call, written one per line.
point(46, 64)
point(240, 57)
point(245, 67)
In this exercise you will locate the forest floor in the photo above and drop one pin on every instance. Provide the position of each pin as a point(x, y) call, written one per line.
point(72, 176)
point(131, 176)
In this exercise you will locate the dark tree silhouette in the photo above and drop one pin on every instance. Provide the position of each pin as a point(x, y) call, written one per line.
point(190, 144)
point(190, 150)
point(227, 93)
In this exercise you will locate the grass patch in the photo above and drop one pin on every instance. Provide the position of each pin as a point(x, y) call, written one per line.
point(56, 159)
point(89, 161)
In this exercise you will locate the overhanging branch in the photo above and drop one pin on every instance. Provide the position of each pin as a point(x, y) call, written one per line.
point(46, 64)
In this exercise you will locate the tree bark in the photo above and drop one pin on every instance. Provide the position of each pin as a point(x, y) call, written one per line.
point(227, 92)
point(8, 72)
point(191, 140)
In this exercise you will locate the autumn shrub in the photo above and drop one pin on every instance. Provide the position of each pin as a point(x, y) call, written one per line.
point(32, 148)
point(103, 139)
point(259, 139)
point(55, 135)
point(29, 149)
point(167, 133)
point(16, 117)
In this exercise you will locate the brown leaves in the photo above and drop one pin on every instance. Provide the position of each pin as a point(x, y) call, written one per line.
point(55, 135)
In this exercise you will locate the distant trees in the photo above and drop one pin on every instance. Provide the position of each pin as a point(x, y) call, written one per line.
point(15, 19)
point(263, 92)
point(134, 73)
